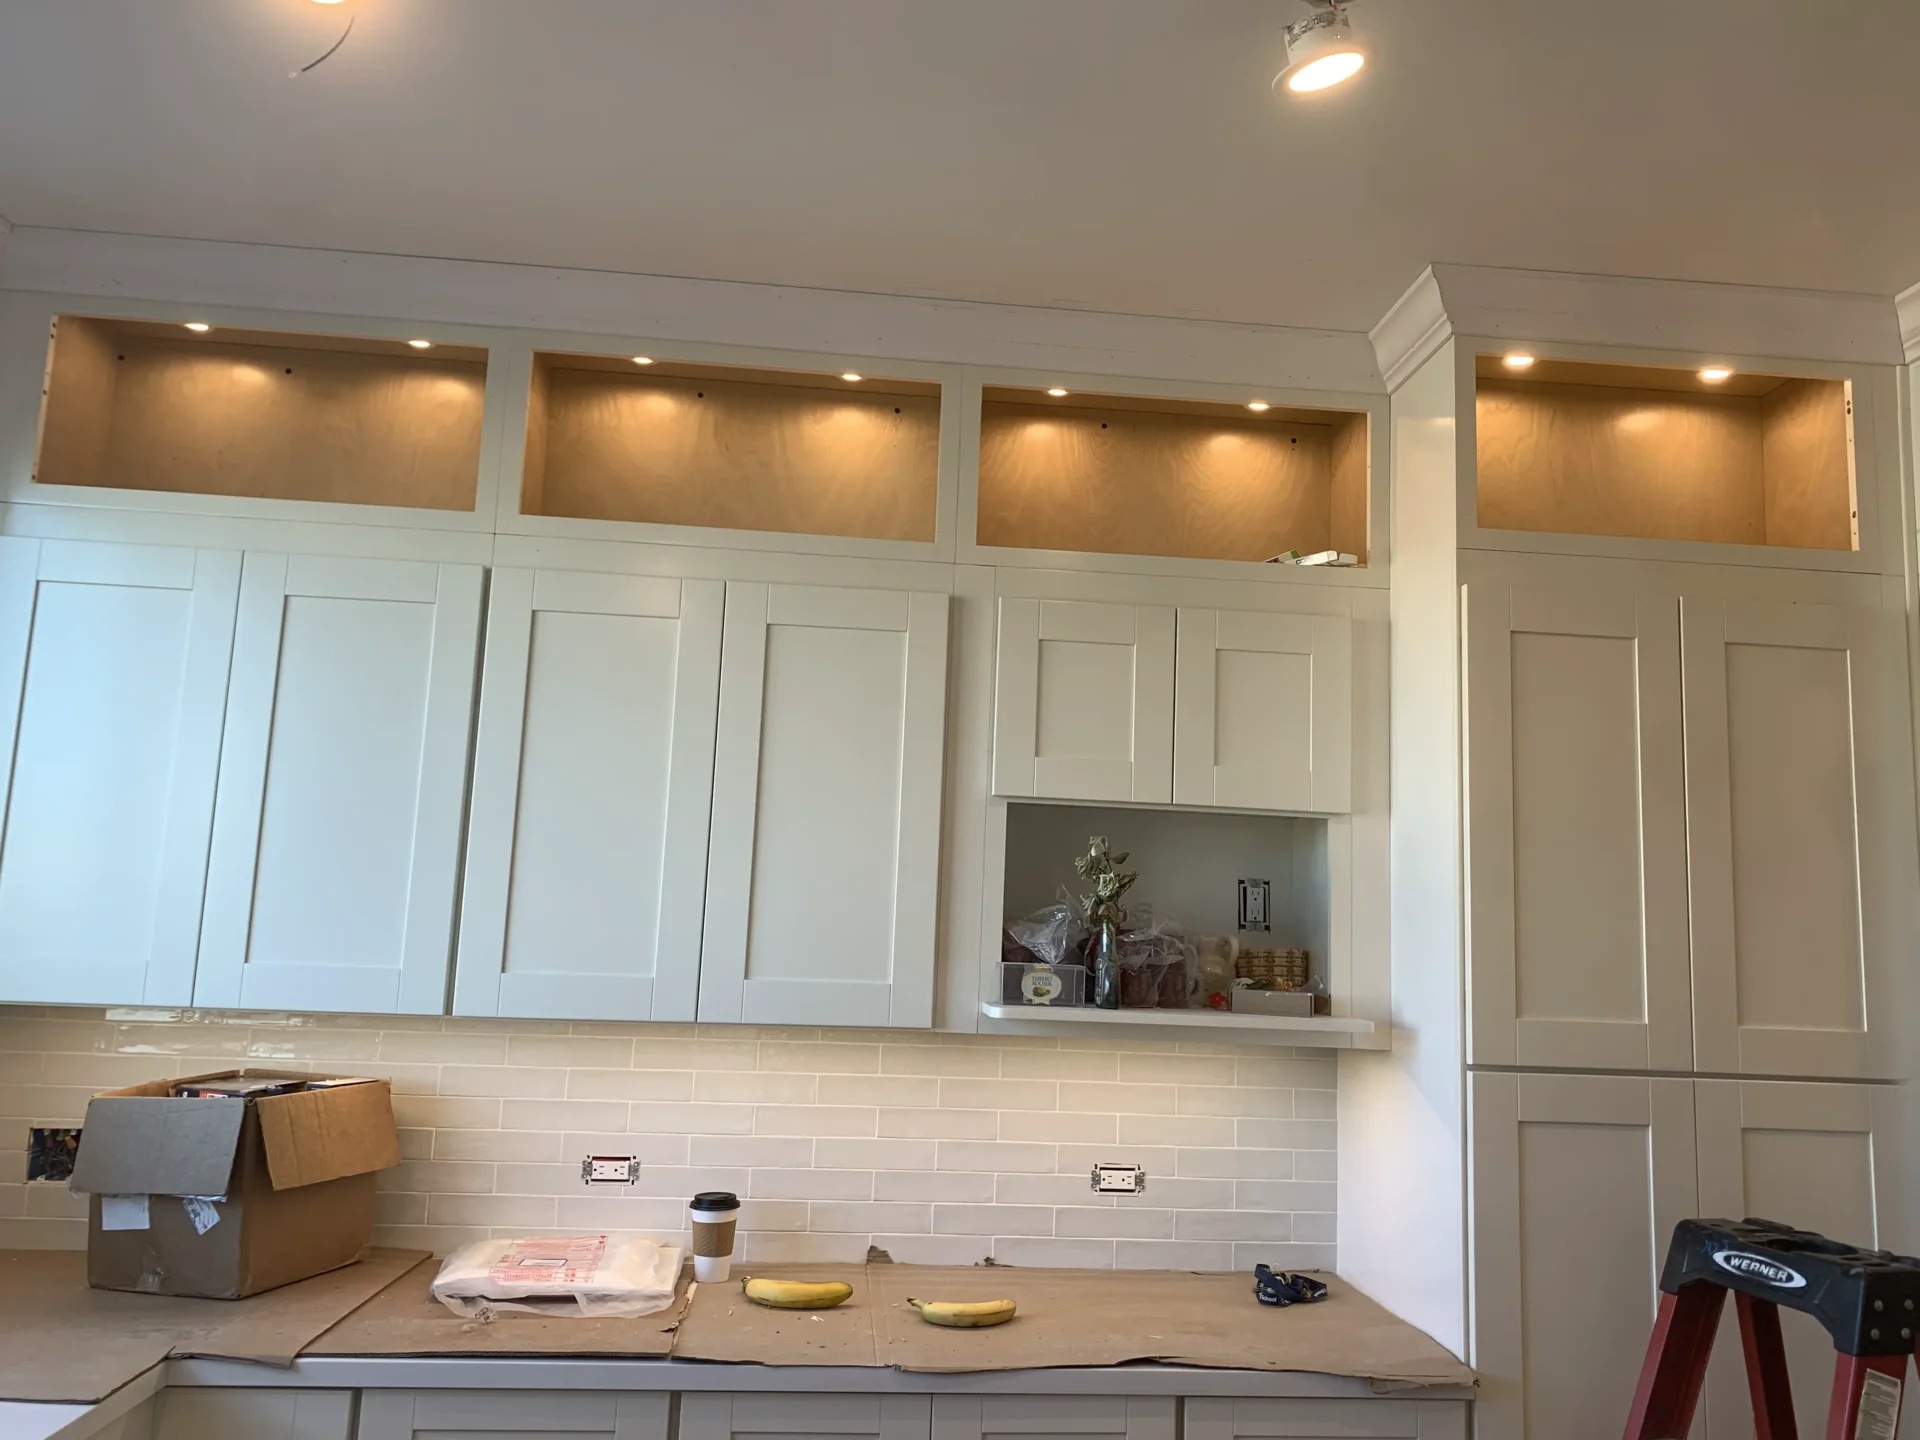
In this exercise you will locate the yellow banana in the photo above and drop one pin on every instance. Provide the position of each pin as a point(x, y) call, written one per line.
point(796, 1294)
point(964, 1315)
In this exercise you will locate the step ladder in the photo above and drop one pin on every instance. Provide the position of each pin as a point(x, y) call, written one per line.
point(1869, 1301)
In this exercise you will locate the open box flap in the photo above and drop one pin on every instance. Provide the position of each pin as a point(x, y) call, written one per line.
point(157, 1145)
point(316, 1135)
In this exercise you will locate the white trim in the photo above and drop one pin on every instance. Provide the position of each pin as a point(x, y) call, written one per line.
point(6, 230)
point(1411, 331)
point(1906, 307)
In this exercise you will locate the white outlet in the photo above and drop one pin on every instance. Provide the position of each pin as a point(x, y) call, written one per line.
point(610, 1169)
point(1119, 1180)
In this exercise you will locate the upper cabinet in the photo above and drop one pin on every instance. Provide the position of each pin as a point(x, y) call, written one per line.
point(336, 835)
point(823, 870)
point(593, 777)
point(136, 409)
point(1248, 710)
point(113, 681)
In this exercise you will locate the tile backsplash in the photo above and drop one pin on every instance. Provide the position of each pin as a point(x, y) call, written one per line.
point(939, 1149)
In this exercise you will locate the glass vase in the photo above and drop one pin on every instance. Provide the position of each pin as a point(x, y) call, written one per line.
point(1106, 968)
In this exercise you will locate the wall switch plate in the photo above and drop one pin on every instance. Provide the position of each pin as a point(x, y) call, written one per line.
point(1256, 904)
point(610, 1169)
point(1119, 1180)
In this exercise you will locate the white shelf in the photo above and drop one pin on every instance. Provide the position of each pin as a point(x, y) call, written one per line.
point(1272, 1029)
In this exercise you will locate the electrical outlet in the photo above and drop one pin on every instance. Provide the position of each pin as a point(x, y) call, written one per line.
point(1256, 904)
point(1119, 1180)
point(610, 1169)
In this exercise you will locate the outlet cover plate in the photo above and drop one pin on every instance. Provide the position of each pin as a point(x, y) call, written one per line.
point(610, 1169)
point(1256, 905)
point(1119, 1180)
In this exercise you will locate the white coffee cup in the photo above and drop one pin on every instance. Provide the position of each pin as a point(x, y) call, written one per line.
point(716, 1216)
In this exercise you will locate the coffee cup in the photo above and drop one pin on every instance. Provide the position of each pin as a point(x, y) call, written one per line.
point(716, 1216)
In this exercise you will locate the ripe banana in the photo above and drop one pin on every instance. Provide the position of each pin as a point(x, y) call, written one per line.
point(964, 1315)
point(796, 1294)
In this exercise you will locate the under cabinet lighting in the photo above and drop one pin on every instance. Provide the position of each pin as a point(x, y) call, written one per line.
point(1259, 407)
point(1056, 392)
point(852, 377)
point(421, 344)
point(643, 359)
point(199, 327)
point(1517, 362)
point(1714, 374)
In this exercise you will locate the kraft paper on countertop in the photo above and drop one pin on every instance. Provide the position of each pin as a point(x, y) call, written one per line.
point(63, 1341)
point(405, 1319)
point(722, 1324)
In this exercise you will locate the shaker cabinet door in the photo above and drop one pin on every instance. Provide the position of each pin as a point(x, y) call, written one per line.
point(823, 866)
point(593, 778)
point(336, 835)
point(1577, 1183)
point(113, 682)
point(1263, 711)
point(1800, 823)
point(1083, 701)
point(1576, 833)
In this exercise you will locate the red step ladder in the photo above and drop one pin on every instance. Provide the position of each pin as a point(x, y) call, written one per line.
point(1868, 1300)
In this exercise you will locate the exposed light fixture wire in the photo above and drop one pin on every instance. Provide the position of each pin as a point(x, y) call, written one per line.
point(296, 74)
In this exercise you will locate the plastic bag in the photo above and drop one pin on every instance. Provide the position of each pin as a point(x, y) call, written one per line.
point(1054, 934)
point(586, 1275)
point(1157, 962)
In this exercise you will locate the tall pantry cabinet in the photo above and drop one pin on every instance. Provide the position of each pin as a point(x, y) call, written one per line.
point(1678, 853)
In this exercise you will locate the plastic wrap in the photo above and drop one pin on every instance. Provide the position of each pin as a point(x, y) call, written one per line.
point(586, 1275)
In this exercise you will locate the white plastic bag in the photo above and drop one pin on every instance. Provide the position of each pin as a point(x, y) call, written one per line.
point(566, 1275)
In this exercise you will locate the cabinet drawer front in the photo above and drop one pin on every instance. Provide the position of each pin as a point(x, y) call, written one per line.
point(721, 1416)
point(1215, 1419)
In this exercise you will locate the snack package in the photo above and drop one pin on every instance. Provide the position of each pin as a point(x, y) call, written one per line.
point(587, 1275)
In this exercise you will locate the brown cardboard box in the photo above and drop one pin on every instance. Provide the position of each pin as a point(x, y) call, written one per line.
point(223, 1197)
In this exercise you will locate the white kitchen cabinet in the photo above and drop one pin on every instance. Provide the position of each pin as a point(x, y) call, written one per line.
point(1263, 710)
point(823, 864)
point(722, 1416)
point(223, 1413)
point(1083, 701)
point(593, 780)
point(113, 682)
point(1799, 823)
point(1821, 1157)
point(513, 1414)
point(1214, 1418)
point(1578, 1181)
point(1576, 833)
point(1016, 1417)
point(336, 834)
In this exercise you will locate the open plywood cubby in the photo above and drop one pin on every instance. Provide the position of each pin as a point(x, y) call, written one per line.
point(728, 447)
point(1121, 475)
point(1659, 454)
point(139, 405)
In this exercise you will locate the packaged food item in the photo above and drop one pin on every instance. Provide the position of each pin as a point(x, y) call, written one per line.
point(586, 1275)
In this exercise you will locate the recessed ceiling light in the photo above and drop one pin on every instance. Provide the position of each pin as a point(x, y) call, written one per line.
point(852, 377)
point(1056, 392)
point(1322, 50)
point(1258, 406)
point(1714, 374)
point(1517, 361)
point(421, 344)
point(199, 327)
point(643, 359)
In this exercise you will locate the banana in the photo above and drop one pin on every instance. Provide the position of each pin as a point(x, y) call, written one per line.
point(964, 1315)
point(796, 1294)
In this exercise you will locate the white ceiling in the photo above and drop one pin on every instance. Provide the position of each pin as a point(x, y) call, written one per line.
point(1112, 154)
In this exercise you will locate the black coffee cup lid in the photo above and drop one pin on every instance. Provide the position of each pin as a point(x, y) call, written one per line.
point(716, 1200)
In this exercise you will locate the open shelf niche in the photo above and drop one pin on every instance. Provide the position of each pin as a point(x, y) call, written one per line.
point(1188, 479)
point(1651, 453)
point(730, 447)
point(142, 405)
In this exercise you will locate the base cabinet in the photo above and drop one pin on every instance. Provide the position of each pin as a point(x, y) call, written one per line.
point(511, 1415)
point(252, 1415)
point(778, 1417)
point(1216, 1419)
point(1013, 1417)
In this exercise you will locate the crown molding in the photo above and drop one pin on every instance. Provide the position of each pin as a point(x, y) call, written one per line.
point(1412, 330)
point(1907, 306)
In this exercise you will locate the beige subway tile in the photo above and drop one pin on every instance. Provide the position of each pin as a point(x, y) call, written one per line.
point(1113, 1222)
point(749, 1087)
point(1161, 1068)
point(571, 1052)
point(444, 1048)
point(575, 1146)
point(1228, 1102)
point(626, 1084)
point(43, 1234)
point(399, 1207)
point(1232, 1225)
point(527, 1146)
point(1049, 1254)
point(104, 1072)
point(1283, 1256)
point(229, 1043)
point(919, 1091)
point(817, 1120)
point(503, 1080)
point(1117, 1099)
point(1315, 1165)
point(1181, 1130)
point(1057, 1125)
point(1267, 1073)
point(934, 1249)
point(13, 1169)
point(788, 1152)
point(406, 1079)
point(563, 1115)
point(973, 1093)
point(1283, 1195)
point(439, 1239)
point(820, 1058)
point(840, 1152)
point(1078, 1159)
point(49, 1200)
point(444, 1112)
point(930, 1185)
point(492, 1210)
point(940, 1124)
point(667, 1118)
point(415, 1144)
point(773, 1214)
point(1288, 1134)
point(19, 1068)
point(54, 1036)
point(1025, 1064)
point(996, 1156)
point(804, 1248)
point(1172, 1255)
point(682, 1183)
point(268, 1044)
point(667, 1053)
point(1048, 1190)
point(863, 1217)
point(432, 1176)
point(619, 1210)
point(1315, 1226)
point(811, 1185)
point(633, 1029)
point(992, 1220)
point(938, 1060)
point(553, 1178)
point(1315, 1105)
point(1180, 1192)
point(1210, 1164)
point(47, 1104)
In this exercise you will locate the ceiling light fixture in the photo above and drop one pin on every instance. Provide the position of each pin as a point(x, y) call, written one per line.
point(643, 359)
point(417, 344)
point(1714, 374)
point(1322, 50)
point(1517, 361)
point(199, 327)
point(1259, 407)
point(1057, 392)
point(852, 377)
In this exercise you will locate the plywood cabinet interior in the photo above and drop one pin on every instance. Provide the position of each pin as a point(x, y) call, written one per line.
point(1578, 937)
point(139, 405)
point(343, 774)
point(593, 779)
point(730, 447)
point(1635, 451)
point(824, 857)
point(1121, 475)
point(1263, 710)
point(113, 684)
point(1578, 1181)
